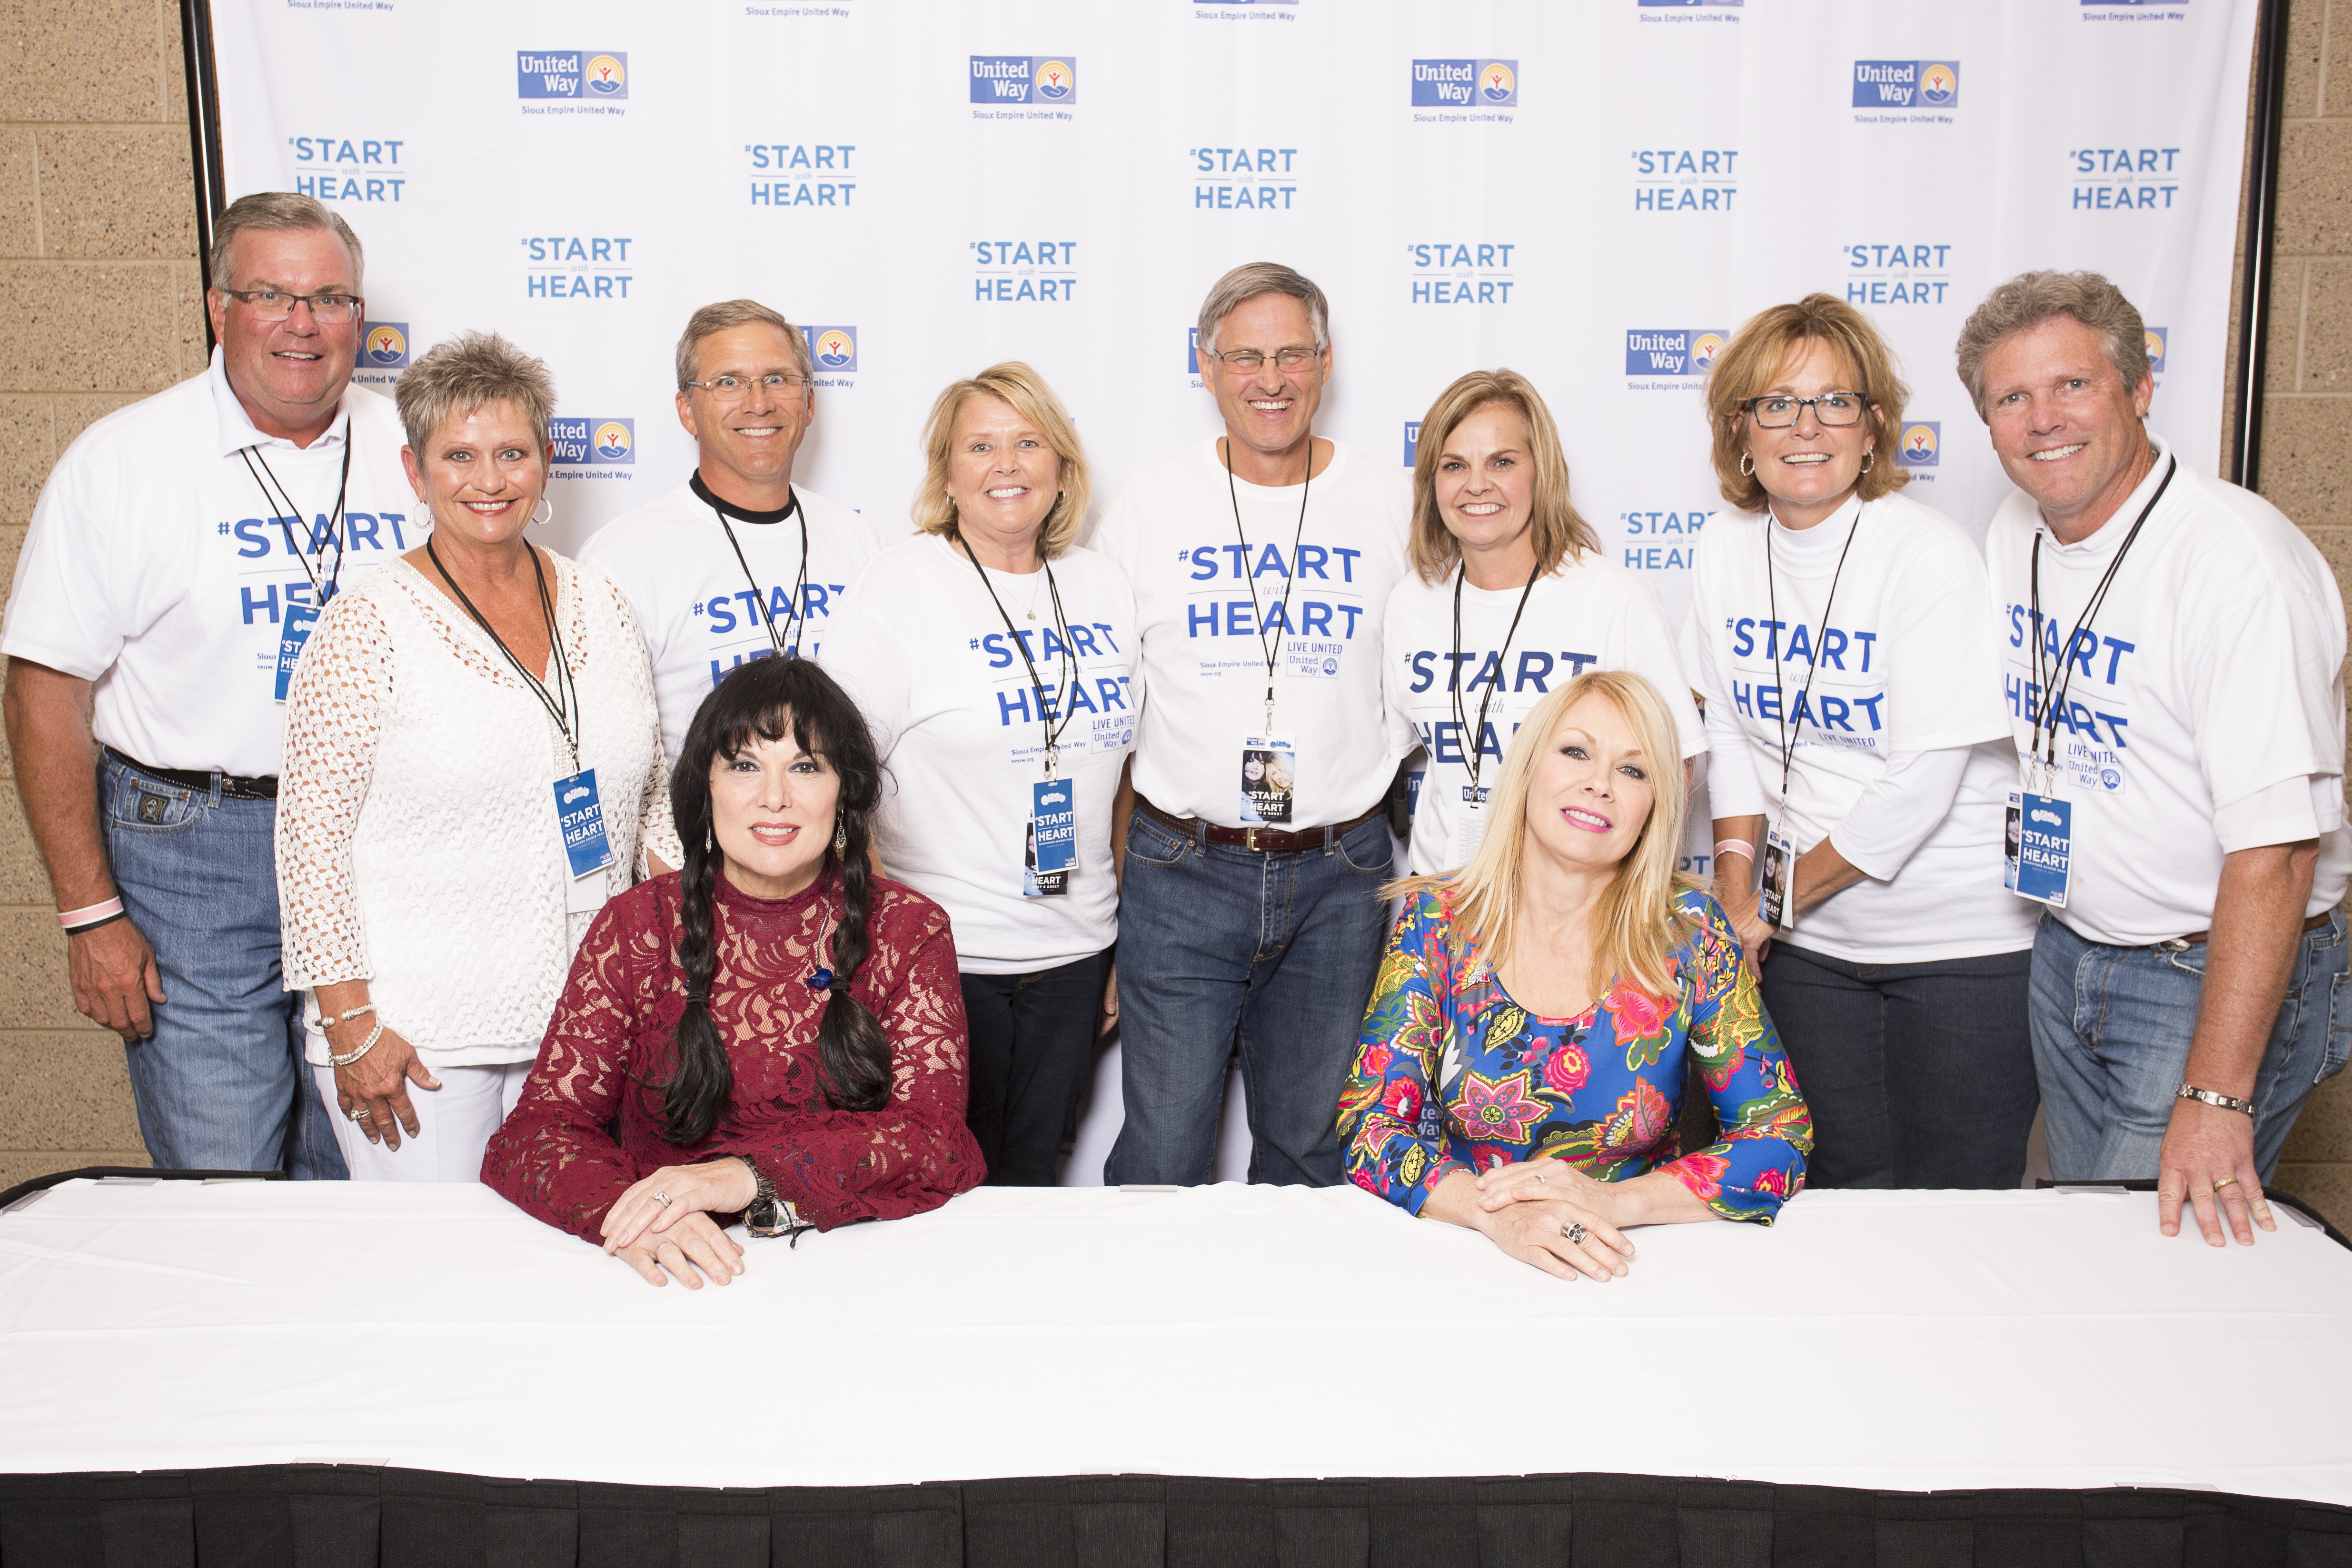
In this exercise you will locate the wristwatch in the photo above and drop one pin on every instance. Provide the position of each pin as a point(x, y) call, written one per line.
point(2189, 1091)
point(766, 1214)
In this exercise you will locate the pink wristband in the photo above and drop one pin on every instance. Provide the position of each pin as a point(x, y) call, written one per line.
point(106, 911)
point(1739, 844)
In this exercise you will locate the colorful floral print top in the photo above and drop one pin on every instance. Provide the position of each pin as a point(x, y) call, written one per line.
point(1600, 1091)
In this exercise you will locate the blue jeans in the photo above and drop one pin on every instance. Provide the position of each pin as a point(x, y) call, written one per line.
point(220, 1085)
point(2111, 1034)
point(1222, 947)
point(1919, 1075)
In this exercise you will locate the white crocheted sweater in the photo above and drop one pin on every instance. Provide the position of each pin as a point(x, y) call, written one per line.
point(417, 845)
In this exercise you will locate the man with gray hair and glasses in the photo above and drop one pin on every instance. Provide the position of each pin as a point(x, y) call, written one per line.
point(1250, 915)
point(178, 556)
point(2175, 649)
point(737, 561)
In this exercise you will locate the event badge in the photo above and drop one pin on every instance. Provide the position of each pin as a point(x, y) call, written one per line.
point(1269, 778)
point(580, 817)
point(1472, 827)
point(295, 631)
point(1036, 884)
point(1780, 866)
point(1054, 823)
point(2038, 847)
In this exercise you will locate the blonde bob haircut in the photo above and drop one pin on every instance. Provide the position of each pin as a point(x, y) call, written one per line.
point(1635, 926)
point(1558, 529)
point(1013, 383)
point(1754, 359)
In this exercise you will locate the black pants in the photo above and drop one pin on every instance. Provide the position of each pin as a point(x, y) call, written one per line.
point(1919, 1075)
point(1033, 1053)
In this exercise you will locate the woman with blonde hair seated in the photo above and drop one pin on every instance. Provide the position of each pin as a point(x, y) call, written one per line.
point(1523, 1060)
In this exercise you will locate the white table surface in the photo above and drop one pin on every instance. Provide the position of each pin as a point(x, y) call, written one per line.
point(1917, 1340)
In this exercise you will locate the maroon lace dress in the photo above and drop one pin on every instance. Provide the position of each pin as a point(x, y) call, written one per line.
point(609, 1045)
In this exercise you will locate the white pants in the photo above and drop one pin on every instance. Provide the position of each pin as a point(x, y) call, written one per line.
point(454, 1124)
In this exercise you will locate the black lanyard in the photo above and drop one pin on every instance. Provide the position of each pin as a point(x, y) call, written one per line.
point(1273, 651)
point(1474, 745)
point(564, 706)
point(1069, 655)
point(2056, 683)
point(282, 504)
point(1813, 661)
point(795, 615)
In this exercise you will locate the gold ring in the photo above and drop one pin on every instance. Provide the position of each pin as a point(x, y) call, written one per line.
point(2225, 1182)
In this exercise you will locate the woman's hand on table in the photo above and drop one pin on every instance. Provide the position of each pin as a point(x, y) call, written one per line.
point(692, 1248)
point(1546, 1179)
point(663, 1201)
point(372, 1092)
point(1533, 1228)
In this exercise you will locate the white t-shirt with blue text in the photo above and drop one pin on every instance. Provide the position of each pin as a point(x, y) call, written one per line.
point(697, 609)
point(159, 568)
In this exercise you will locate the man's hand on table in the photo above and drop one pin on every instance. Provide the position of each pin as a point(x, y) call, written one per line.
point(663, 1223)
point(2209, 1154)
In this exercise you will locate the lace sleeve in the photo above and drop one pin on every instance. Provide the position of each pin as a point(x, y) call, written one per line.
point(915, 1153)
point(335, 710)
point(553, 1158)
point(656, 835)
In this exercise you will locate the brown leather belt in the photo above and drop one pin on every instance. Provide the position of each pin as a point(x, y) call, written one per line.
point(264, 787)
point(1259, 840)
point(2197, 938)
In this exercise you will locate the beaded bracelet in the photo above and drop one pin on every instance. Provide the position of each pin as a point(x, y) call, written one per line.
point(365, 1047)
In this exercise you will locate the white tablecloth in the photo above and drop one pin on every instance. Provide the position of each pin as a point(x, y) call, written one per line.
point(1899, 1340)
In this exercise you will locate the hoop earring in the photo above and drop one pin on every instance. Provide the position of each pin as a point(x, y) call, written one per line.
point(1868, 456)
point(1747, 464)
point(544, 505)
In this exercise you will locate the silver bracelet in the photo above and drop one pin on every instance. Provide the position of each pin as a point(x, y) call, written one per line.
point(365, 1047)
point(362, 1011)
point(2212, 1097)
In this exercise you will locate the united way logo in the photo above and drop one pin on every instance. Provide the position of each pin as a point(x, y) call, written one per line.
point(1673, 351)
point(571, 73)
point(1922, 439)
point(1465, 84)
point(832, 349)
point(594, 441)
point(1192, 350)
point(1026, 78)
point(1905, 84)
point(1411, 441)
point(384, 345)
point(2155, 338)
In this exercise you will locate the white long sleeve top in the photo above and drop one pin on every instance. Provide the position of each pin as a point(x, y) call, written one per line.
point(418, 838)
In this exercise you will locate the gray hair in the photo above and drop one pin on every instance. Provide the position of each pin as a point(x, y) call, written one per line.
point(1249, 280)
point(280, 210)
point(2030, 299)
point(725, 316)
point(472, 371)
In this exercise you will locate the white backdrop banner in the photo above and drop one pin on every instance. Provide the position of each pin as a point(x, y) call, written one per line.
point(1595, 194)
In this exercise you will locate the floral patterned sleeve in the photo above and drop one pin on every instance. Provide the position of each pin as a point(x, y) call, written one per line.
point(1391, 1128)
point(1766, 1130)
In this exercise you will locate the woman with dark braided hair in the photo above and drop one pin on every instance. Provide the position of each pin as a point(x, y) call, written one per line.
point(771, 1031)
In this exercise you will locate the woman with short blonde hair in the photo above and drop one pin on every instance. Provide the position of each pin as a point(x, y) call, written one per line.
point(1511, 596)
point(1843, 636)
point(996, 660)
point(1522, 1063)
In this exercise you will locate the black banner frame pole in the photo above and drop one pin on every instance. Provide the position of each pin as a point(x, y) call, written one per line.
point(203, 132)
point(2257, 242)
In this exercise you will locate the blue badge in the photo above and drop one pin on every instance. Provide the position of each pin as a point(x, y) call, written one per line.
point(293, 633)
point(1054, 803)
point(2038, 849)
point(580, 817)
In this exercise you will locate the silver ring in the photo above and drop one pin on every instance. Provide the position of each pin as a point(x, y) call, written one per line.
point(359, 1114)
point(1575, 1232)
point(1539, 1179)
point(662, 1198)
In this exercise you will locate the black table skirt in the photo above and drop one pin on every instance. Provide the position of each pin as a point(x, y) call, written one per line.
point(318, 1516)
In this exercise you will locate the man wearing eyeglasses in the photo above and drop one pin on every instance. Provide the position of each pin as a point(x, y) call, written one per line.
point(1250, 914)
point(177, 557)
point(738, 563)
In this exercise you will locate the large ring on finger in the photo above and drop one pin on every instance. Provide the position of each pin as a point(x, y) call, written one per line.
point(1575, 1232)
point(2225, 1182)
point(662, 1198)
point(360, 1113)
